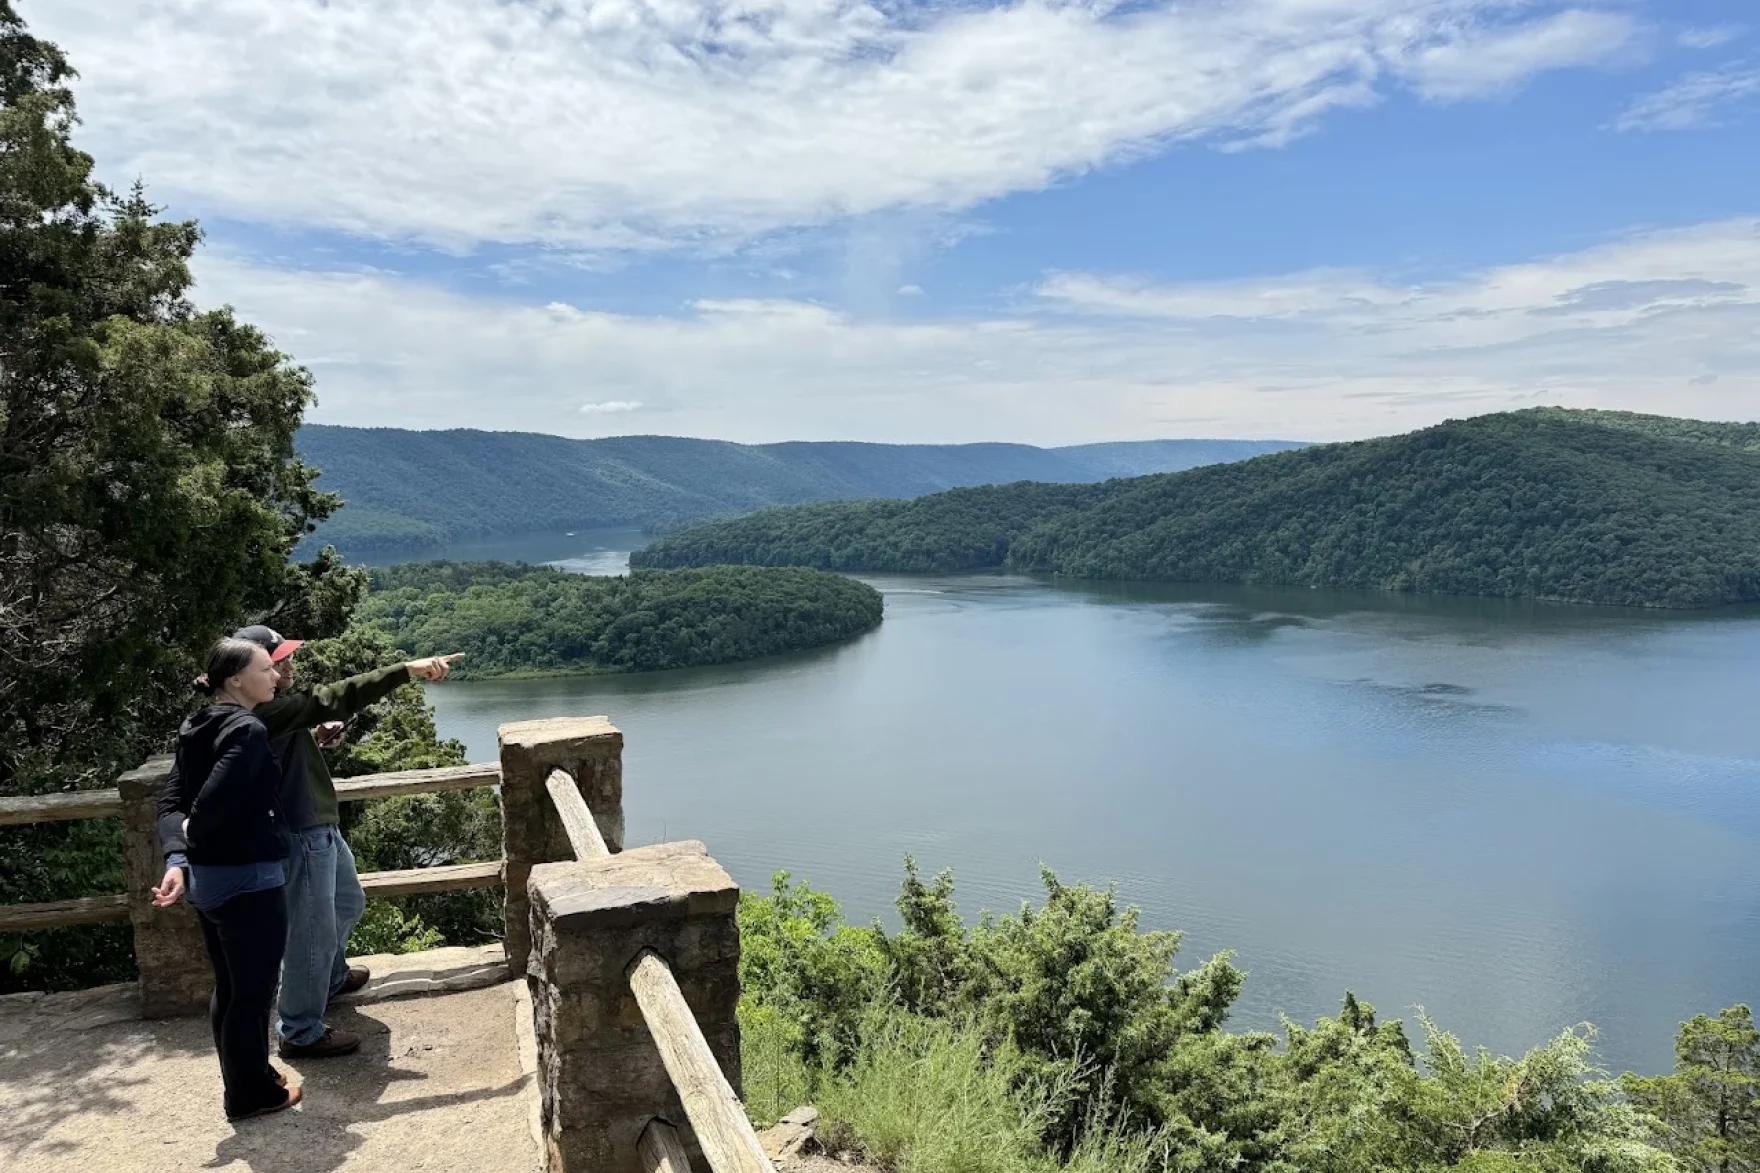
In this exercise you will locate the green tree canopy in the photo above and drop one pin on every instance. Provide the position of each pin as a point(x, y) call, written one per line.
point(149, 491)
point(1711, 1103)
point(515, 618)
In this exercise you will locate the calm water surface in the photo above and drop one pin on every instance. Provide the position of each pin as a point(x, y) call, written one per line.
point(1518, 817)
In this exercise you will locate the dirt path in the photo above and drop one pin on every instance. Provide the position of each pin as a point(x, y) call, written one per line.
point(437, 1087)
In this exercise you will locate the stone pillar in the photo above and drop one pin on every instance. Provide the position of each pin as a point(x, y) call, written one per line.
point(591, 750)
point(175, 974)
point(600, 1077)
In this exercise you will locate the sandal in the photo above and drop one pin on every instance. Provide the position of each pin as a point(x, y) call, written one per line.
point(293, 1097)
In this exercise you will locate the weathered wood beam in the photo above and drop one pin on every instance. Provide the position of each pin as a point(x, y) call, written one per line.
point(724, 1133)
point(458, 877)
point(67, 806)
point(87, 910)
point(661, 1150)
point(577, 821)
point(418, 782)
point(60, 808)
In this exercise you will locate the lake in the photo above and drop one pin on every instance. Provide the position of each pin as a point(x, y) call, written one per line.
point(1516, 816)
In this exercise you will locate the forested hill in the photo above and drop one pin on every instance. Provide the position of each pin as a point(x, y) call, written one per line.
point(409, 488)
point(1598, 507)
point(532, 620)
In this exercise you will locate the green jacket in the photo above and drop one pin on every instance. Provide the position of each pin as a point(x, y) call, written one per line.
point(308, 794)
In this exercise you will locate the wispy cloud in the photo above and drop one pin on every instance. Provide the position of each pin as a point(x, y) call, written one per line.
point(635, 124)
point(1643, 322)
point(1692, 101)
point(1620, 285)
point(1711, 37)
point(1472, 61)
point(611, 407)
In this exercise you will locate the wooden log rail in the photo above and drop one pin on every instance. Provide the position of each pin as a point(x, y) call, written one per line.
point(577, 821)
point(661, 1150)
point(107, 804)
point(723, 1130)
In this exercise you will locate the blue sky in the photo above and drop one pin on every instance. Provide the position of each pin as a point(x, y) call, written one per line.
point(1050, 222)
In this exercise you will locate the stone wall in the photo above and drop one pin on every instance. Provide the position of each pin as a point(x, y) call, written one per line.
point(591, 750)
point(600, 1076)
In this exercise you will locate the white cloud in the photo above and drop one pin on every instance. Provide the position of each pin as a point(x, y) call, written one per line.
point(611, 407)
point(1692, 101)
point(1713, 37)
point(661, 124)
point(1614, 289)
point(1667, 322)
point(910, 291)
point(1469, 62)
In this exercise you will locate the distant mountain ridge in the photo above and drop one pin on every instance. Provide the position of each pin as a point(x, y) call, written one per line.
point(404, 489)
point(1583, 506)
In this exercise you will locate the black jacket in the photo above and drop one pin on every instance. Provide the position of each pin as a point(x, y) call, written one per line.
point(226, 783)
point(308, 795)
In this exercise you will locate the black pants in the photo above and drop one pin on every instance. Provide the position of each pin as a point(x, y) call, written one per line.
point(246, 937)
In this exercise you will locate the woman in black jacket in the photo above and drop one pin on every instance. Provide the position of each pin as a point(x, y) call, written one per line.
point(225, 844)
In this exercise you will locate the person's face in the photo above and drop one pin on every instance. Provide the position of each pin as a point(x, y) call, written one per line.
point(255, 684)
point(284, 674)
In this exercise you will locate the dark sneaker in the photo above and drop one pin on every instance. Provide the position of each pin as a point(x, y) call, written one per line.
point(289, 1098)
point(358, 976)
point(331, 1042)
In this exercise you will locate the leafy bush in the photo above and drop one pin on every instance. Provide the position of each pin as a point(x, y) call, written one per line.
point(384, 928)
point(775, 1078)
point(1062, 1037)
point(819, 975)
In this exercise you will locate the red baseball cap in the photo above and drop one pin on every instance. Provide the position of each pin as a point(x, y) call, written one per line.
point(270, 641)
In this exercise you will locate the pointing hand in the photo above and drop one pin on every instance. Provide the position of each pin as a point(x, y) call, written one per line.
point(434, 667)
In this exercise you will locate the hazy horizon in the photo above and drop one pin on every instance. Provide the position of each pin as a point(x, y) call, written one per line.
point(827, 440)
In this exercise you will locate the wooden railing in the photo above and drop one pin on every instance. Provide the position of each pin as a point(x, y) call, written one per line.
point(108, 804)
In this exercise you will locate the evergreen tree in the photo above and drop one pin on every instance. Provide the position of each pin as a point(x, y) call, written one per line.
point(149, 492)
point(1711, 1104)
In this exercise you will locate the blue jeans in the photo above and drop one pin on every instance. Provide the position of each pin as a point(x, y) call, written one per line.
point(324, 903)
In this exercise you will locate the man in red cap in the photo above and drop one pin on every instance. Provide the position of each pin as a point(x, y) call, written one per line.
point(324, 896)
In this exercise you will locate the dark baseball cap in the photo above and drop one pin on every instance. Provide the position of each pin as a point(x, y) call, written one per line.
point(270, 641)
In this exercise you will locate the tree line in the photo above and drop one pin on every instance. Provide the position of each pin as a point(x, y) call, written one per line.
point(407, 489)
point(1589, 507)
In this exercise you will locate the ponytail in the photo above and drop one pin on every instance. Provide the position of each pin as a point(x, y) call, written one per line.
point(226, 659)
